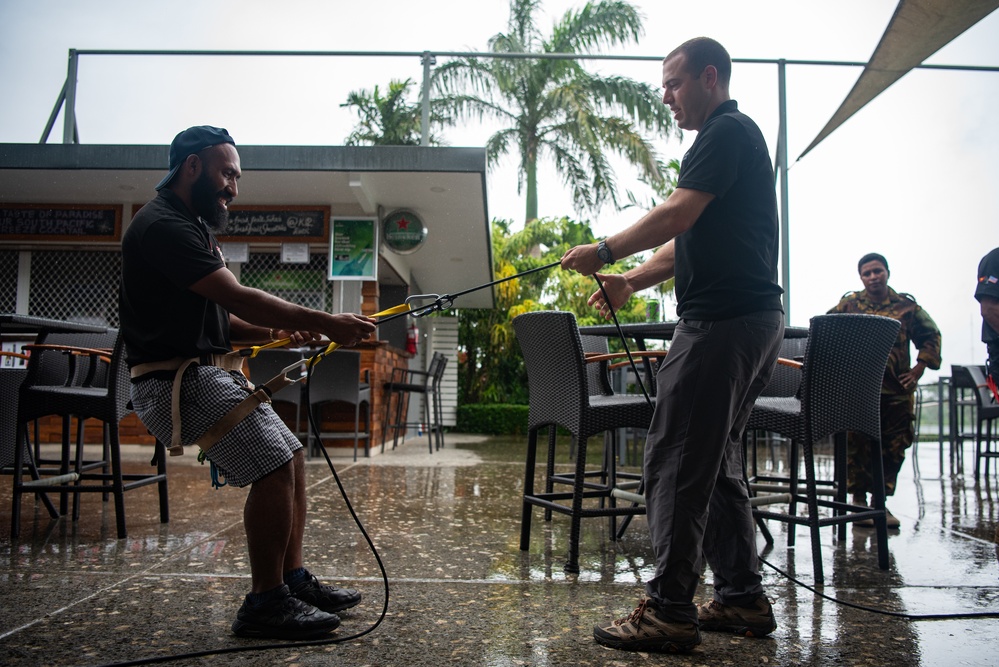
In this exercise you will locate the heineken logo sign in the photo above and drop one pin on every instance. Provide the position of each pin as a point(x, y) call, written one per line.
point(403, 231)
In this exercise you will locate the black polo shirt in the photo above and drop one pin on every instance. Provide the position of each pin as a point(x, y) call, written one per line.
point(726, 264)
point(165, 250)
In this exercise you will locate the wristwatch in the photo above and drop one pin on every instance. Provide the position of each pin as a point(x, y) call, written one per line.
point(604, 253)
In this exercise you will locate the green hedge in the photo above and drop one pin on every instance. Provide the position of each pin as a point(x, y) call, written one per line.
point(492, 418)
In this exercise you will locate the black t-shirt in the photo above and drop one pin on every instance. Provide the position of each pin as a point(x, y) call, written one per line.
point(726, 264)
point(988, 285)
point(164, 251)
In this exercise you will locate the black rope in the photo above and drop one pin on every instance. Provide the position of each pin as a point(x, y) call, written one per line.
point(883, 612)
point(446, 301)
point(452, 297)
point(624, 340)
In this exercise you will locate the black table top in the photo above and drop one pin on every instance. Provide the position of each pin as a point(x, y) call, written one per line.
point(663, 330)
point(20, 323)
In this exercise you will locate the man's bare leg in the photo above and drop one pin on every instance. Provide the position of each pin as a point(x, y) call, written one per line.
point(269, 521)
point(293, 552)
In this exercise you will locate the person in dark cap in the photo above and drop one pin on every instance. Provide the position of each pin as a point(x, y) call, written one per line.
point(181, 311)
point(898, 413)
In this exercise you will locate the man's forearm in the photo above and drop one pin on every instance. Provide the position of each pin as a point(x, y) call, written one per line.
point(657, 269)
point(255, 307)
point(242, 332)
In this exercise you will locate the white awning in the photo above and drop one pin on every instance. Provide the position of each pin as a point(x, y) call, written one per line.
point(918, 29)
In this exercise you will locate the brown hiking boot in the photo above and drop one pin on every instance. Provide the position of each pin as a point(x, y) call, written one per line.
point(890, 519)
point(646, 630)
point(755, 621)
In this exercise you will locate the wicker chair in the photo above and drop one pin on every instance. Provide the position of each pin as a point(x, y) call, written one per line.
point(337, 378)
point(784, 383)
point(597, 375)
point(987, 411)
point(83, 376)
point(266, 365)
point(560, 396)
point(10, 385)
point(840, 391)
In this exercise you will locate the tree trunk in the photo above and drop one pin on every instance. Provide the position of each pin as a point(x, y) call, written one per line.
point(532, 187)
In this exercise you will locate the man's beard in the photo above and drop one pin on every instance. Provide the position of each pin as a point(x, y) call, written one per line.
point(206, 204)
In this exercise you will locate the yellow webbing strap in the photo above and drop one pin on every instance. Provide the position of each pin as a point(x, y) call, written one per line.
point(264, 392)
point(254, 350)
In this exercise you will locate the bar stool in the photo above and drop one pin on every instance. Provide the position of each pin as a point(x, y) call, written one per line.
point(402, 384)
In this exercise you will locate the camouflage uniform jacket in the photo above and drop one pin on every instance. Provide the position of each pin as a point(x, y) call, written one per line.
point(917, 327)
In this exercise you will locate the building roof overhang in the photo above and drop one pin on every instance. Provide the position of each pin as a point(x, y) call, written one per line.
point(445, 186)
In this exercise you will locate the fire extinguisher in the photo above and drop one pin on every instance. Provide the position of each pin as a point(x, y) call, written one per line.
point(412, 336)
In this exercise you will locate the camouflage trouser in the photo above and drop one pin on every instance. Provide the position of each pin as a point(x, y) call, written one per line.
point(897, 434)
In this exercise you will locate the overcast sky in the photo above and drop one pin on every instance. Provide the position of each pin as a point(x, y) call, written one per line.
point(912, 176)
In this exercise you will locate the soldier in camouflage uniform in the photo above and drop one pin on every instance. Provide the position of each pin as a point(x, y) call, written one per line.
point(900, 381)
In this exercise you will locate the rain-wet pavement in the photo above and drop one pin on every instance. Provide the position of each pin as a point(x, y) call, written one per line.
point(447, 527)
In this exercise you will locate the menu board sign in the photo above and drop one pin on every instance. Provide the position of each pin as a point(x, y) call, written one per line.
point(60, 222)
point(277, 223)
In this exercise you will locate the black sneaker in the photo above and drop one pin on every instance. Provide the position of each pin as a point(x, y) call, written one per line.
point(283, 617)
point(327, 598)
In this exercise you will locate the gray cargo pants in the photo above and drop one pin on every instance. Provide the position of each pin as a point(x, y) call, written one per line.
point(696, 496)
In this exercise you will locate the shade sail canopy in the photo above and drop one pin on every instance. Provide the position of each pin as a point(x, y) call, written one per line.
point(917, 30)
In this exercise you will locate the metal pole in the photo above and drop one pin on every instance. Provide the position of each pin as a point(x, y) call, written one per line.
point(69, 105)
point(785, 251)
point(55, 114)
point(428, 60)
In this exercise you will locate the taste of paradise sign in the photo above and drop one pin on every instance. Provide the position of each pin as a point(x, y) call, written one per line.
point(403, 231)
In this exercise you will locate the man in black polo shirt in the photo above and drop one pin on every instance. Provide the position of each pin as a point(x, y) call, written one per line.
point(181, 310)
point(718, 235)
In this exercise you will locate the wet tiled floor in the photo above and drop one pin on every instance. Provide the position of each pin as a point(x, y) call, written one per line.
point(447, 526)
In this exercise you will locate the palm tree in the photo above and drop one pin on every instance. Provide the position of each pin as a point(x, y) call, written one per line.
point(389, 120)
point(552, 108)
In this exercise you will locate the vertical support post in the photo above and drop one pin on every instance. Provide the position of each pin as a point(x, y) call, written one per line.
point(23, 282)
point(785, 246)
point(428, 60)
point(69, 105)
point(943, 387)
point(52, 117)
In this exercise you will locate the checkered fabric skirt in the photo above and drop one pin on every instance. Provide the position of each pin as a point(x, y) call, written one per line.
point(257, 446)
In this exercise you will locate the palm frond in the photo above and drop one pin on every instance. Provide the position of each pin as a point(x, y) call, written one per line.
point(595, 26)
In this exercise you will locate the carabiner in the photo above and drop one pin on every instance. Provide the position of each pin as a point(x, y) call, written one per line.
point(423, 311)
